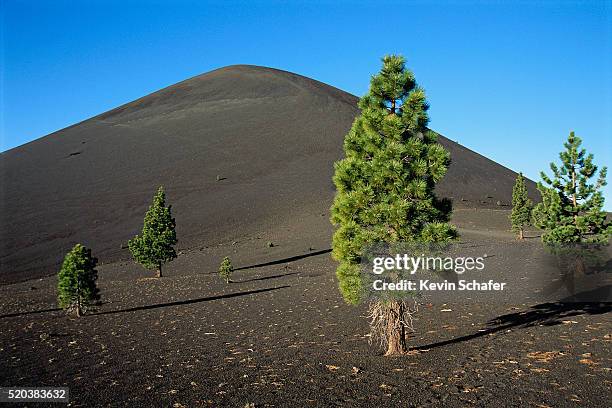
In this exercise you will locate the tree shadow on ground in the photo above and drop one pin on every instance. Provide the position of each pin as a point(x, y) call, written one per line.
point(30, 312)
point(190, 301)
point(285, 260)
point(266, 277)
point(57, 309)
point(545, 314)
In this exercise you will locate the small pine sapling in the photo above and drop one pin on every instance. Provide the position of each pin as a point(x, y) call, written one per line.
point(76, 286)
point(571, 211)
point(520, 217)
point(155, 245)
point(226, 269)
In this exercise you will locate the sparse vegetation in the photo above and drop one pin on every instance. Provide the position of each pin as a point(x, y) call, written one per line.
point(279, 334)
point(571, 210)
point(520, 216)
point(155, 245)
point(226, 269)
point(76, 286)
point(385, 189)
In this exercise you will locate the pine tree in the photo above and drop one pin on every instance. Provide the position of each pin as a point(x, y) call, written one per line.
point(521, 207)
point(571, 211)
point(76, 286)
point(226, 269)
point(155, 245)
point(385, 188)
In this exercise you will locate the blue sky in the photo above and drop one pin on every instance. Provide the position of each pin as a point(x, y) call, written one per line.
point(507, 79)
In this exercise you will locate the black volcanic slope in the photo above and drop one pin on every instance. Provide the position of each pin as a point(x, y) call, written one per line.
point(271, 136)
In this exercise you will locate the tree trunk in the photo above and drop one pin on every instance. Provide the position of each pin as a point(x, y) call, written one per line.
point(159, 271)
point(580, 266)
point(574, 195)
point(521, 234)
point(576, 272)
point(78, 297)
point(396, 332)
point(78, 302)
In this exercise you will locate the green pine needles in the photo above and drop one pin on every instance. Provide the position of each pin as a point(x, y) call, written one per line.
point(571, 211)
point(385, 184)
point(226, 269)
point(521, 207)
point(76, 286)
point(155, 245)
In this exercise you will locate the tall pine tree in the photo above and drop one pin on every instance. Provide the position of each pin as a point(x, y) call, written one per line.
point(521, 207)
point(76, 286)
point(571, 211)
point(385, 188)
point(155, 245)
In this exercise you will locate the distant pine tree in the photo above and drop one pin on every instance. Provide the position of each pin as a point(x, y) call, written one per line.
point(76, 286)
point(385, 188)
point(226, 269)
point(155, 245)
point(521, 207)
point(571, 210)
